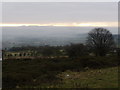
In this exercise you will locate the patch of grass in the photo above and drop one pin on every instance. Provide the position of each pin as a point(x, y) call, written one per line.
point(99, 78)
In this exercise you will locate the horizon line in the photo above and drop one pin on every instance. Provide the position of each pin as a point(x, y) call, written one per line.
point(74, 24)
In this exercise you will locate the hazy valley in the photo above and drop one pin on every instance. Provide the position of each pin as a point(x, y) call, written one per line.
point(45, 35)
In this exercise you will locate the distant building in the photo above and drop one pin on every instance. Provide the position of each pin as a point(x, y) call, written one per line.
point(19, 55)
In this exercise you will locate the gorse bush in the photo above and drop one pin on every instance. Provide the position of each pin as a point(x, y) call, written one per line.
point(98, 62)
point(76, 50)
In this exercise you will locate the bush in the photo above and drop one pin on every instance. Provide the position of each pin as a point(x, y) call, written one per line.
point(98, 62)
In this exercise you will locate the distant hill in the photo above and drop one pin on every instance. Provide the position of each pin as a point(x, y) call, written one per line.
point(35, 36)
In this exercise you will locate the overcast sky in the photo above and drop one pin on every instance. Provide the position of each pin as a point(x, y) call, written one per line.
point(44, 13)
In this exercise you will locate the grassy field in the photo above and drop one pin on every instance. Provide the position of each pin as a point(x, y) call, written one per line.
point(87, 72)
point(100, 78)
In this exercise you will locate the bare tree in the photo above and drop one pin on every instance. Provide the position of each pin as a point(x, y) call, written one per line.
point(100, 41)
